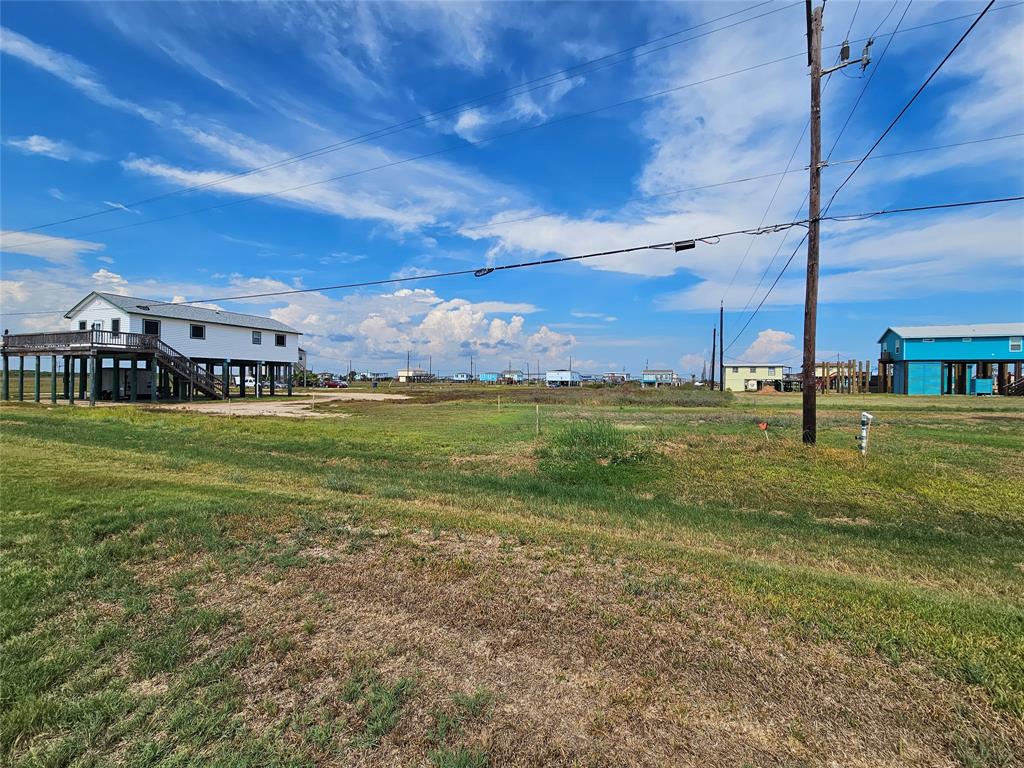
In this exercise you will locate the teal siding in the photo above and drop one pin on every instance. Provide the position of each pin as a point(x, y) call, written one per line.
point(965, 349)
point(924, 378)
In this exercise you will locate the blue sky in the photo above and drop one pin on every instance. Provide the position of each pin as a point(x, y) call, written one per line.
point(107, 104)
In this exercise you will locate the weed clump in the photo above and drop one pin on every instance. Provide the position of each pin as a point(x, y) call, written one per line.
point(596, 441)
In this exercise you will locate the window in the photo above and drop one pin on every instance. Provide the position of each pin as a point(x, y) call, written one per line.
point(965, 339)
point(257, 337)
point(928, 341)
point(115, 325)
point(197, 331)
point(753, 369)
point(151, 327)
point(81, 325)
point(897, 346)
point(735, 370)
point(1015, 343)
point(280, 340)
point(771, 371)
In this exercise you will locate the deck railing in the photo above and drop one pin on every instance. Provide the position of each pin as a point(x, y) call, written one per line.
point(80, 339)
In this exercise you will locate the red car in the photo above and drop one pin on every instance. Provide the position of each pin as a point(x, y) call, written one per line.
point(335, 384)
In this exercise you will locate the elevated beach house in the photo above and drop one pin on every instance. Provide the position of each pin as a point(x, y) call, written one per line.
point(127, 348)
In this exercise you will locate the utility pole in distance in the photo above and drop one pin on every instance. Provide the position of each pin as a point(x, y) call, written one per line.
point(721, 346)
point(713, 349)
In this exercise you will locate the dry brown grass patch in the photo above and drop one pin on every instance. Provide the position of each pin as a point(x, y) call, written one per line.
point(589, 663)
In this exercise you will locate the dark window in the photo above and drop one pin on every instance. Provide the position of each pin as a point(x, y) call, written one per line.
point(280, 340)
point(115, 325)
point(81, 325)
point(257, 337)
point(197, 331)
point(151, 327)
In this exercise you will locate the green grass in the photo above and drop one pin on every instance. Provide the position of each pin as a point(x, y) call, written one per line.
point(911, 555)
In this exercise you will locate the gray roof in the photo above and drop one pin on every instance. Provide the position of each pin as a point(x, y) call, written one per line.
point(977, 330)
point(156, 308)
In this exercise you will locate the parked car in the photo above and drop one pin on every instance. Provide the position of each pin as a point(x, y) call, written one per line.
point(336, 384)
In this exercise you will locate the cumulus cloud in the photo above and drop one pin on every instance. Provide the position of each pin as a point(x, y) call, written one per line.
point(770, 346)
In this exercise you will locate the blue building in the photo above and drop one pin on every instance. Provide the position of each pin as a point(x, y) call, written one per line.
point(490, 377)
point(952, 359)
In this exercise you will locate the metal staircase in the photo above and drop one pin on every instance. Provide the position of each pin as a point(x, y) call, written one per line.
point(1017, 388)
point(200, 378)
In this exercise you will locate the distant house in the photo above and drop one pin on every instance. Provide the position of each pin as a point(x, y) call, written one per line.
point(512, 377)
point(462, 378)
point(490, 377)
point(656, 377)
point(615, 377)
point(410, 375)
point(750, 377)
point(952, 359)
point(127, 347)
point(563, 378)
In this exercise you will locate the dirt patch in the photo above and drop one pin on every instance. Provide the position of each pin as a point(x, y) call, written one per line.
point(588, 661)
point(300, 407)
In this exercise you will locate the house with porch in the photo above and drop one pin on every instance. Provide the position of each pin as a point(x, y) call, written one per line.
point(128, 348)
point(972, 359)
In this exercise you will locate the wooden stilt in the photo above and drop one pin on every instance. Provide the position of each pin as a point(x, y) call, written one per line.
point(135, 378)
point(83, 379)
point(21, 377)
point(290, 375)
point(94, 378)
point(53, 378)
point(7, 379)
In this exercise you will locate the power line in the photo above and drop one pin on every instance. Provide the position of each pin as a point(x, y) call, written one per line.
point(425, 155)
point(467, 143)
point(909, 103)
point(861, 217)
point(517, 90)
point(866, 156)
point(745, 179)
point(671, 244)
point(867, 82)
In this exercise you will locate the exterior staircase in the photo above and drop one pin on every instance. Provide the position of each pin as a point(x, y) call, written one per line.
point(199, 377)
point(1017, 388)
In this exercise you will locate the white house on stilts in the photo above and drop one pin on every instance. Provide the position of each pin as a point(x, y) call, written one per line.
point(127, 348)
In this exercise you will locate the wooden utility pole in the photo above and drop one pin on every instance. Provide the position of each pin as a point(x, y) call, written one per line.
point(810, 394)
point(713, 350)
point(721, 345)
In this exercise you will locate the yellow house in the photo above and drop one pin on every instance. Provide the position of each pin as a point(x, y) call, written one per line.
point(750, 377)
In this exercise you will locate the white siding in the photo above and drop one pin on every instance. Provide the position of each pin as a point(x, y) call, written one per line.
point(222, 342)
point(99, 311)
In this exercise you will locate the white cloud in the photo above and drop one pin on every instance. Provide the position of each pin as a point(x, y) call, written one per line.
point(692, 363)
point(110, 281)
point(69, 69)
point(770, 346)
point(58, 250)
point(119, 206)
point(53, 148)
point(56, 194)
point(105, 259)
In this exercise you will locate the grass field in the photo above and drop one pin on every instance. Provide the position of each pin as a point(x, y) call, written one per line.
point(648, 581)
